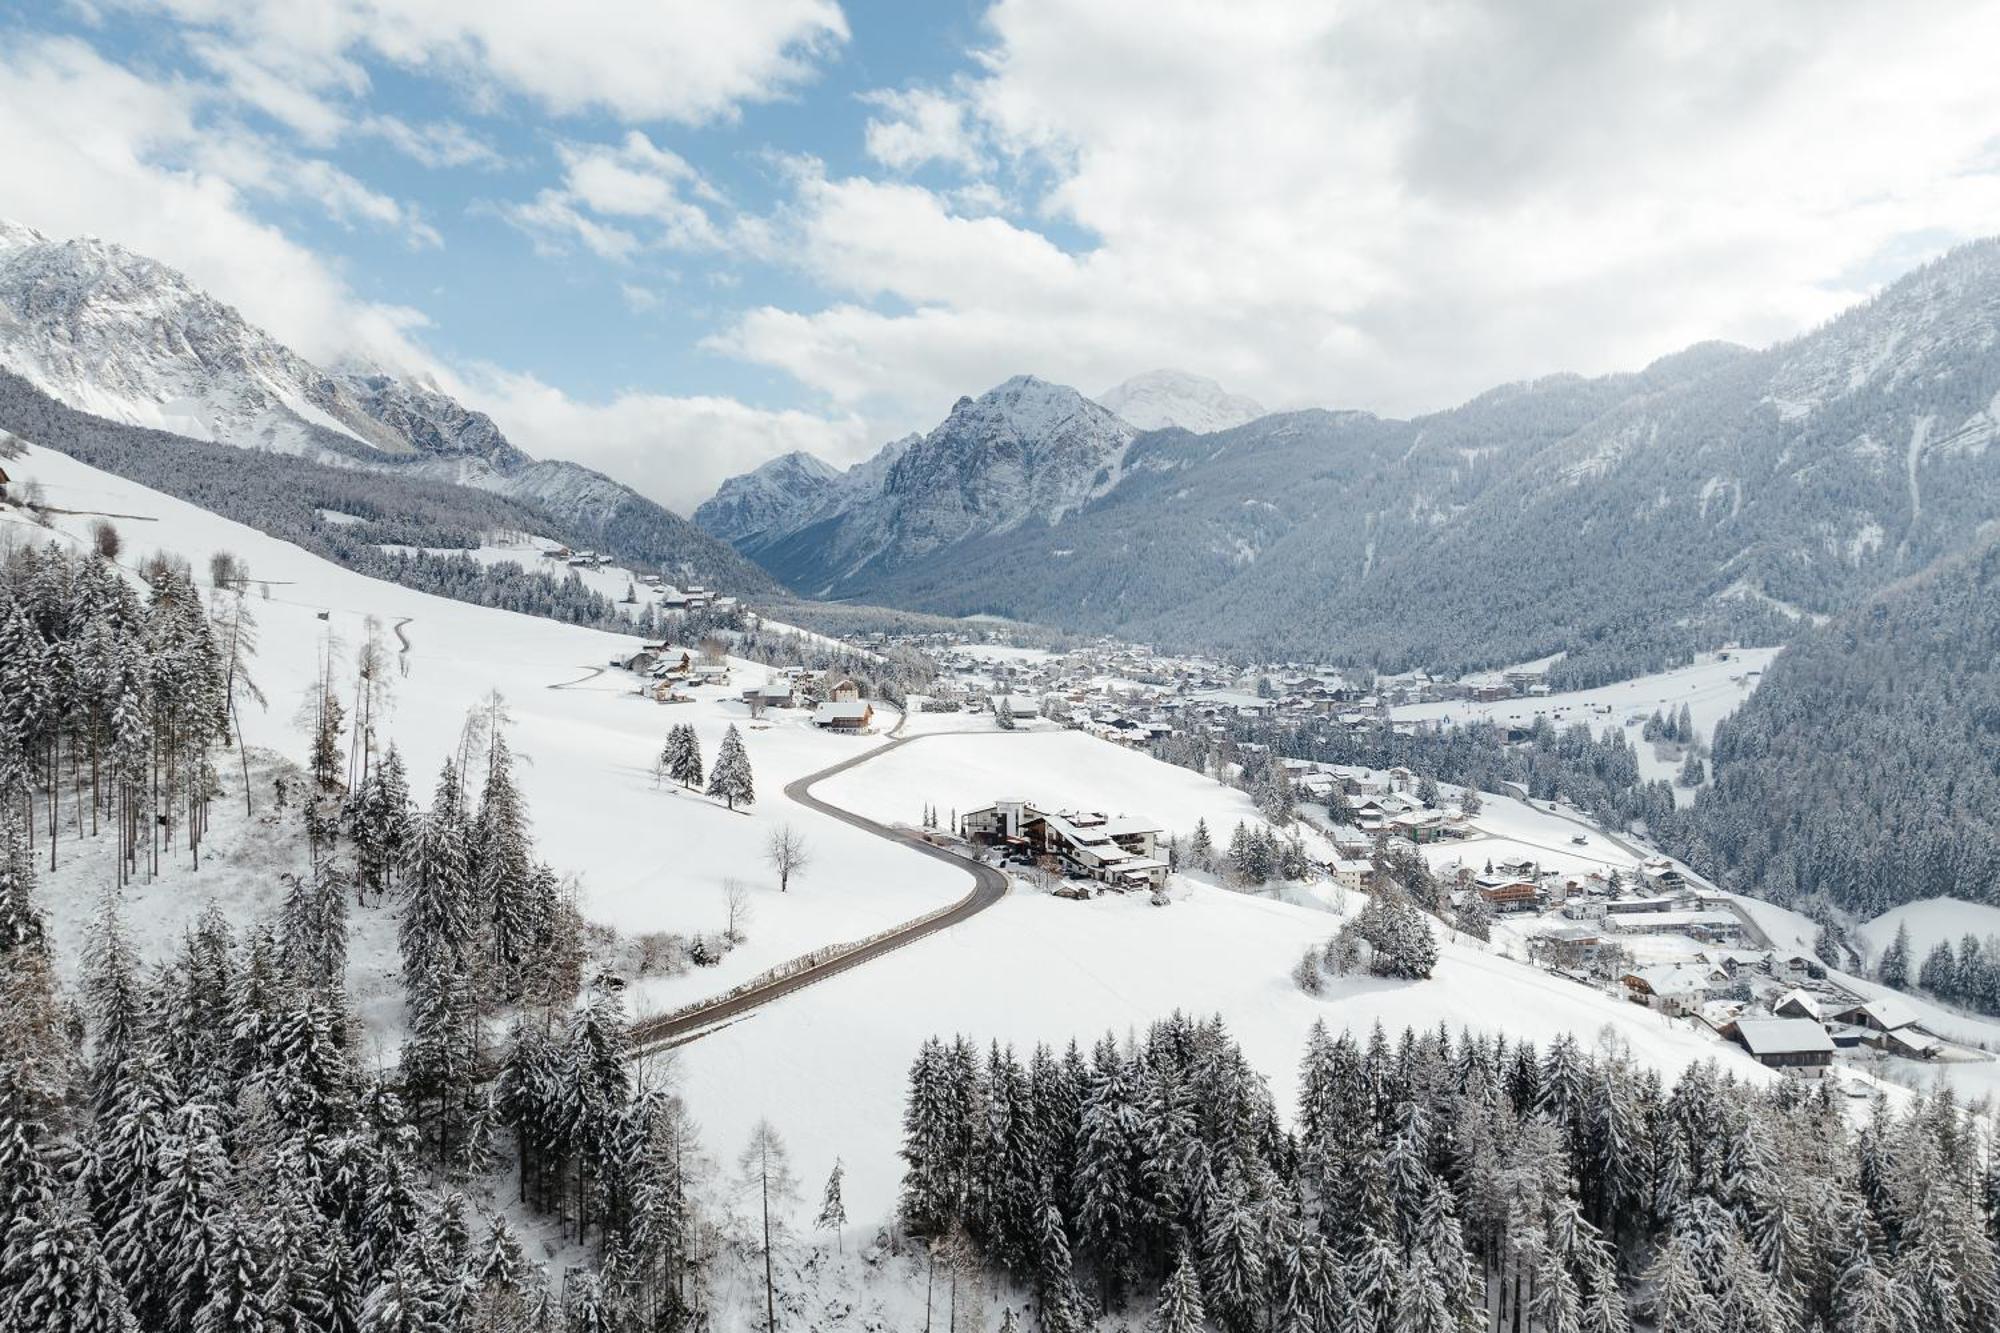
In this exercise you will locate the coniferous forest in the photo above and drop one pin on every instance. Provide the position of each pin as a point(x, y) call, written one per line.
point(201, 1145)
point(1428, 1184)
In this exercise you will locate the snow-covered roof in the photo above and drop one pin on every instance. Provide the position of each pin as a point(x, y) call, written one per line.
point(1887, 1012)
point(852, 710)
point(1800, 999)
point(1783, 1036)
point(1126, 826)
point(1674, 978)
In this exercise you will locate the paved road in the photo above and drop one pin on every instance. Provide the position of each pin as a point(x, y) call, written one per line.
point(989, 886)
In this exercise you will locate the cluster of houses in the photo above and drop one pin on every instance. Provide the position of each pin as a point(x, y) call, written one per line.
point(1116, 850)
point(669, 598)
point(836, 703)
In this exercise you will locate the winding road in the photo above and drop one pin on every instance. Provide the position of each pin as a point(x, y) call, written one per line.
point(989, 886)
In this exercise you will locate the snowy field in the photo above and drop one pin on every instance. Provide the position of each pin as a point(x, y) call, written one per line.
point(646, 858)
point(829, 1066)
point(1508, 829)
point(1048, 767)
point(1929, 921)
point(1711, 688)
point(1000, 652)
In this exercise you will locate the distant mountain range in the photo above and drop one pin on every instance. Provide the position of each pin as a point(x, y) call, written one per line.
point(128, 339)
point(1720, 491)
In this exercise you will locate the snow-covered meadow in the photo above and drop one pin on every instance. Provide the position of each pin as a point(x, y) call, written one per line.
point(1712, 687)
point(647, 857)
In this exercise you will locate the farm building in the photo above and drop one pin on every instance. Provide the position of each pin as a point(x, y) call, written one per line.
point(1783, 1043)
point(846, 715)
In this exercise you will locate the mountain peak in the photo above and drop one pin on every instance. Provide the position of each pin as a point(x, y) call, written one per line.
point(1161, 398)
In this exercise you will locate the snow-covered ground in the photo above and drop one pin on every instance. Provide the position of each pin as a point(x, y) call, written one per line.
point(828, 1066)
point(828, 1063)
point(1711, 687)
point(1049, 767)
point(1929, 921)
point(647, 858)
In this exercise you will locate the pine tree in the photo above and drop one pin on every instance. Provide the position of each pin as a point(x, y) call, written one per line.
point(21, 925)
point(730, 779)
point(1201, 848)
point(53, 1275)
point(1939, 974)
point(1895, 967)
point(832, 1211)
point(1179, 1309)
point(506, 887)
point(1475, 915)
point(682, 755)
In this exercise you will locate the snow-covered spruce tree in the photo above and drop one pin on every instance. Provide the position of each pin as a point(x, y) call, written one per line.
point(730, 778)
point(1201, 847)
point(683, 755)
point(1475, 916)
point(506, 888)
point(1894, 969)
point(832, 1214)
point(1179, 1309)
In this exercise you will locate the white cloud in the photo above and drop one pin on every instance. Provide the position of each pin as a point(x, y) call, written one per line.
point(675, 449)
point(1385, 206)
point(919, 126)
point(438, 144)
point(639, 300)
point(640, 59)
point(616, 199)
point(136, 165)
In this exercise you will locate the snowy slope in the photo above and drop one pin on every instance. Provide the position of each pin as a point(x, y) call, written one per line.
point(1161, 398)
point(1931, 921)
point(1710, 686)
point(647, 859)
point(830, 1071)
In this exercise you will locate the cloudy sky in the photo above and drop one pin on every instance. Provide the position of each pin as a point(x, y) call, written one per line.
point(672, 238)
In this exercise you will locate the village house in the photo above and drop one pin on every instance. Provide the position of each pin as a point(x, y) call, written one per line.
point(1116, 850)
point(1351, 872)
point(1509, 893)
point(853, 715)
point(1889, 1025)
point(773, 693)
point(1673, 988)
point(1782, 1043)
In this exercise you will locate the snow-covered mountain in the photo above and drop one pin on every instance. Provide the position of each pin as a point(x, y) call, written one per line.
point(1162, 398)
point(1719, 492)
point(127, 338)
point(1025, 453)
point(771, 497)
point(122, 336)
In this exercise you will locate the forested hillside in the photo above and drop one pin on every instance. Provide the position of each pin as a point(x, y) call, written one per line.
point(1867, 765)
point(283, 495)
point(1627, 519)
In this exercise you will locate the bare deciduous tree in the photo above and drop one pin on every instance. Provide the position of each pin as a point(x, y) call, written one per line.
point(105, 540)
point(786, 852)
point(736, 901)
